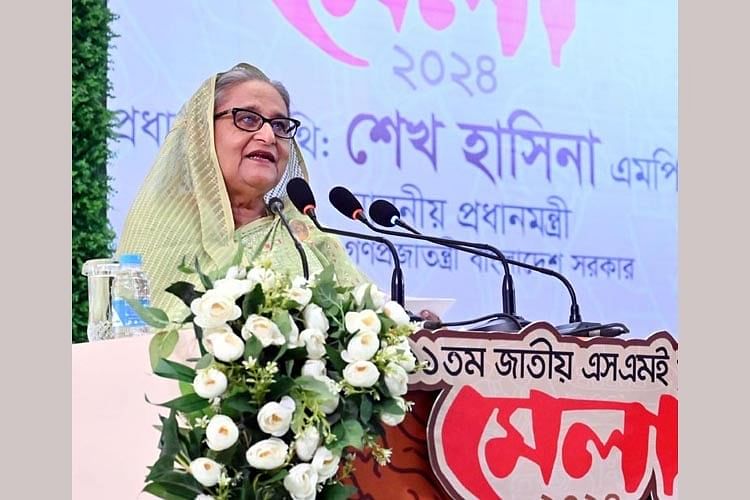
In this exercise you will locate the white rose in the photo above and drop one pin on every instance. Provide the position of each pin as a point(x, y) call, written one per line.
point(214, 308)
point(307, 442)
point(221, 432)
point(274, 418)
point(378, 297)
point(224, 344)
point(361, 374)
point(363, 321)
point(267, 454)
point(314, 317)
point(233, 287)
point(393, 419)
point(294, 340)
point(325, 463)
point(301, 482)
point(315, 342)
point(207, 332)
point(209, 383)
point(314, 368)
point(300, 282)
point(300, 295)
point(236, 273)
point(361, 347)
point(330, 404)
point(396, 379)
point(394, 311)
point(402, 354)
point(266, 277)
point(205, 471)
point(264, 329)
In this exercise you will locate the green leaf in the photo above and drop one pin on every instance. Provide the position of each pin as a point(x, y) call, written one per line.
point(253, 347)
point(313, 385)
point(187, 403)
point(391, 406)
point(253, 300)
point(386, 323)
point(161, 345)
point(184, 291)
point(334, 356)
point(169, 441)
point(205, 280)
point(240, 402)
point(153, 316)
point(237, 259)
point(169, 491)
point(170, 369)
point(348, 432)
point(277, 477)
point(183, 267)
point(205, 361)
point(365, 409)
point(281, 387)
point(160, 467)
point(180, 484)
point(337, 491)
point(283, 321)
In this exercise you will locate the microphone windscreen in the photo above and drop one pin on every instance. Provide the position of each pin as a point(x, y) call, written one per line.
point(300, 193)
point(344, 201)
point(275, 204)
point(383, 212)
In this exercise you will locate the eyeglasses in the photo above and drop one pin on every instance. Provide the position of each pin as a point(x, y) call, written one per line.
point(250, 121)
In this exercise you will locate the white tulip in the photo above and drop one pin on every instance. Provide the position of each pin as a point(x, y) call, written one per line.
point(233, 287)
point(267, 454)
point(209, 383)
point(393, 419)
point(314, 317)
point(307, 442)
point(264, 329)
point(214, 308)
point(236, 273)
point(395, 312)
point(315, 342)
point(274, 418)
point(361, 347)
point(205, 471)
point(314, 368)
point(325, 463)
point(301, 296)
point(396, 379)
point(378, 297)
point(363, 321)
point(224, 345)
point(266, 277)
point(221, 432)
point(301, 482)
point(361, 374)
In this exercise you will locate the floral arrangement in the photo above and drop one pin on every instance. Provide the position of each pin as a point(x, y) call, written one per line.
point(294, 374)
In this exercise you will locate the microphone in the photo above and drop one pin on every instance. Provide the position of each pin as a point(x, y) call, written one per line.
point(386, 214)
point(276, 206)
point(301, 195)
point(349, 205)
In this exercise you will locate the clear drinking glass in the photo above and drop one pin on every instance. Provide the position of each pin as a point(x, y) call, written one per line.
point(99, 273)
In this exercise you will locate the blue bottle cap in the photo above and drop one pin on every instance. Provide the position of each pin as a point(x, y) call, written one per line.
point(131, 259)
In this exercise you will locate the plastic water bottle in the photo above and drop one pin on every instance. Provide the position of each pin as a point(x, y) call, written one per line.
point(129, 282)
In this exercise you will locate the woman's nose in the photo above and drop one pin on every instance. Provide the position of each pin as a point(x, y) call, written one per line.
point(266, 133)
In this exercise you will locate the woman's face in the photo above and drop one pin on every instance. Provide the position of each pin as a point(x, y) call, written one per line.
point(251, 162)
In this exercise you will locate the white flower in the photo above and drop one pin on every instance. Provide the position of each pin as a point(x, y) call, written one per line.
point(307, 442)
point(233, 287)
point(393, 419)
point(267, 454)
point(396, 379)
point(294, 340)
point(378, 297)
point(402, 354)
point(394, 311)
point(325, 463)
point(314, 368)
point(202, 496)
point(221, 433)
point(214, 308)
point(236, 273)
point(274, 418)
point(300, 295)
point(223, 344)
point(301, 482)
point(314, 317)
point(363, 321)
point(264, 329)
point(361, 374)
point(361, 347)
point(315, 342)
point(266, 277)
point(205, 471)
point(209, 383)
point(330, 404)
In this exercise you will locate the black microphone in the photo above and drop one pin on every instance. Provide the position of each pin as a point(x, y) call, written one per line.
point(386, 214)
point(301, 195)
point(349, 205)
point(276, 206)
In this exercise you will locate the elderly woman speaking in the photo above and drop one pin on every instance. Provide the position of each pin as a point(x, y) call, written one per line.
point(231, 148)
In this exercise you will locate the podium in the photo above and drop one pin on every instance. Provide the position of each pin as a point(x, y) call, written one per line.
point(497, 415)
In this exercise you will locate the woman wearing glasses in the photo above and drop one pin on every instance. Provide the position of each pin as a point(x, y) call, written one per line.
point(231, 148)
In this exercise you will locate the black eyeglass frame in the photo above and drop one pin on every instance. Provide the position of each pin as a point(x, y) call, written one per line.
point(263, 121)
